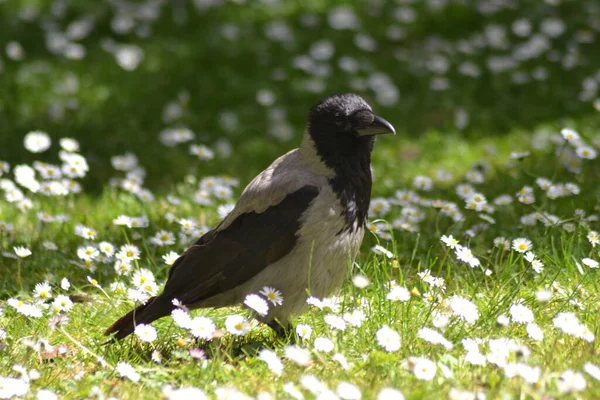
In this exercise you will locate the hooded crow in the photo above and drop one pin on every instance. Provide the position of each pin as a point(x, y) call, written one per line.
point(296, 227)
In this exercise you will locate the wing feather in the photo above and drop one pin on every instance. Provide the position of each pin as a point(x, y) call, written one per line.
point(225, 258)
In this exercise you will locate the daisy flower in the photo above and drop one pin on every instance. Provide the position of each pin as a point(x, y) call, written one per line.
point(434, 337)
point(535, 332)
point(156, 356)
point(69, 144)
point(37, 141)
point(170, 257)
point(593, 370)
point(464, 309)
point(146, 333)
point(273, 295)
point(590, 263)
point(571, 381)
point(257, 303)
point(355, 318)
point(378, 249)
point(62, 303)
point(202, 152)
point(423, 368)
point(449, 241)
point(142, 277)
point(521, 245)
point(465, 255)
point(128, 252)
point(348, 391)
point(163, 238)
point(123, 267)
point(521, 314)
point(390, 394)
point(593, 238)
point(65, 284)
point(85, 232)
point(237, 325)
point(272, 360)
point(537, 266)
point(42, 291)
point(22, 251)
point(335, 321)
point(298, 355)
point(388, 338)
point(126, 370)
point(341, 359)
point(138, 222)
point(107, 248)
point(44, 394)
point(398, 293)
point(181, 318)
point(87, 253)
point(502, 243)
point(202, 327)
point(569, 135)
point(187, 225)
point(569, 324)
point(12, 387)
point(586, 152)
point(360, 281)
point(323, 344)
point(303, 331)
point(122, 220)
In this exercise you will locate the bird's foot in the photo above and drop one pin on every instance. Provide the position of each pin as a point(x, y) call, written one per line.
point(282, 330)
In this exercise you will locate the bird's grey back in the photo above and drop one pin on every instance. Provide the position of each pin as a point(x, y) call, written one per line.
point(285, 175)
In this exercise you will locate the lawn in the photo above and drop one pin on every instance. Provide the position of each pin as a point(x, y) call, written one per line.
point(478, 278)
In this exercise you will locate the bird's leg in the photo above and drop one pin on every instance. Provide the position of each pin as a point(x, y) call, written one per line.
point(281, 329)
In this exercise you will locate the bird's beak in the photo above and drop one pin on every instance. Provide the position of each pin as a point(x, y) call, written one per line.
point(378, 127)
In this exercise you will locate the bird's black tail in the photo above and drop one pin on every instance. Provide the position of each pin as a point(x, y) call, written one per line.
point(155, 308)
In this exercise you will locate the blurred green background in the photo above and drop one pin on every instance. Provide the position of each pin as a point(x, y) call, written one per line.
point(468, 68)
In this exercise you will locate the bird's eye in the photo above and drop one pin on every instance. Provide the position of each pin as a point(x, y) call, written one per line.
point(362, 118)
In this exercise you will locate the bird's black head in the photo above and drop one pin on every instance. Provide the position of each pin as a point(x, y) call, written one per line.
point(343, 128)
point(345, 116)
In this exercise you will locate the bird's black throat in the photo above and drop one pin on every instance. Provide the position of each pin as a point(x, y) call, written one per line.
point(350, 158)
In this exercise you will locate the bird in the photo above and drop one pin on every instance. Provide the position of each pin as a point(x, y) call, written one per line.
point(296, 227)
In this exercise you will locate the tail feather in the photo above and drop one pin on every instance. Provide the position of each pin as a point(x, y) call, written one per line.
point(155, 308)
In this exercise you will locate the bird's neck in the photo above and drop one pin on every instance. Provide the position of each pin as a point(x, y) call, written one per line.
point(346, 161)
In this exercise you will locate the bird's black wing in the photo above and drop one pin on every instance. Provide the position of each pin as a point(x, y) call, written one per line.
point(225, 258)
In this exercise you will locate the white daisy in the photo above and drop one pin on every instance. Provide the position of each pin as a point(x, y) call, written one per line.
point(257, 303)
point(449, 241)
point(202, 327)
point(273, 295)
point(521, 245)
point(464, 309)
point(323, 344)
point(303, 331)
point(146, 333)
point(126, 370)
point(272, 360)
point(590, 263)
point(423, 368)
point(22, 251)
point(37, 141)
point(237, 325)
point(388, 338)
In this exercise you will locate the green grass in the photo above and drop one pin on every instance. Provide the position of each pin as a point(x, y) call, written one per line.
point(118, 111)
